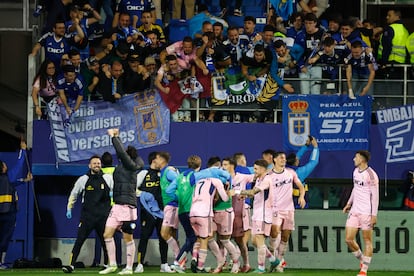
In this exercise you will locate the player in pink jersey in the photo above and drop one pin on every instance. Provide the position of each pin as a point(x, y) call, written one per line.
point(283, 222)
point(201, 214)
point(263, 193)
point(363, 208)
point(241, 223)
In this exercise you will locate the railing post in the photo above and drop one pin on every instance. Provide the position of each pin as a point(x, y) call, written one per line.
point(405, 85)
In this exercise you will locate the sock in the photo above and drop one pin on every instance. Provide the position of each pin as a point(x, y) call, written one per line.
point(196, 248)
point(139, 257)
point(261, 255)
point(366, 261)
point(234, 255)
point(273, 245)
point(269, 255)
point(281, 249)
point(358, 254)
point(130, 251)
point(202, 256)
point(2, 257)
point(215, 250)
point(173, 244)
point(110, 247)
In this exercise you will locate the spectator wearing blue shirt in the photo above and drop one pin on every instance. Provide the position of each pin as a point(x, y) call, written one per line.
point(296, 25)
point(56, 44)
point(135, 8)
point(310, 41)
point(305, 170)
point(70, 88)
point(360, 71)
point(330, 60)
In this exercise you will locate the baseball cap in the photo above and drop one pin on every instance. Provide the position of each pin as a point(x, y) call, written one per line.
point(149, 60)
point(133, 56)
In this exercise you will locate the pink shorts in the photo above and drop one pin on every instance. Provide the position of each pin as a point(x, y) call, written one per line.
point(170, 216)
point(120, 214)
point(224, 222)
point(247, 224)
point(202, 226)
point(359, 221)
point(242, 223)
point(261, 228)
point(285, 219)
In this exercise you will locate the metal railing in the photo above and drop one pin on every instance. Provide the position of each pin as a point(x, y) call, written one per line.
point(387, 92)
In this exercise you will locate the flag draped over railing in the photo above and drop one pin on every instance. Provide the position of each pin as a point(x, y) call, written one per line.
point(143, 120)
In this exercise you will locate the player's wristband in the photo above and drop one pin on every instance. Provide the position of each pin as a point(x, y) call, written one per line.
point(237, 192)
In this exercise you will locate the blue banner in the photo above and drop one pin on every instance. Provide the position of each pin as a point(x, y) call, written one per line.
point(396, 127)
point(337, 122)
point(142, 118)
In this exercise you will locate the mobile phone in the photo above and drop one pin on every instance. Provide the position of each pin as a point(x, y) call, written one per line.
point(310, 138)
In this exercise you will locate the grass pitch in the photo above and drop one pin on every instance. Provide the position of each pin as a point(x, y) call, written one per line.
point(156, 271)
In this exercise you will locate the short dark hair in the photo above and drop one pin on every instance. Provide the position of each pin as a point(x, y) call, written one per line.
point(277, 153)
point(259, 48)
point(230, 160)
point(219, 24)
point(269, 151)
point(365, 154)
point(249, 18)
point(268, 28)
point(213, 160)
point(349, 23)
point(310, 17)
point(1, 167)
point(73, 52)
point(261, 163)
point(187, 39)
point(295, 15)
point(291, 159)
point(106, 159)
point(151, 157)
point(279, 43)
point(356, 44)
point(132, 152)
point(164, 155)
point(170, 57)
point(328, 41)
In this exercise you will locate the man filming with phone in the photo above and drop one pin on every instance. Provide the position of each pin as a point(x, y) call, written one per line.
point(305, 170)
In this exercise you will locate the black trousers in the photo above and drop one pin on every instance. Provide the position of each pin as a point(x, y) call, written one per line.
point(148, 224)
point(85, 228)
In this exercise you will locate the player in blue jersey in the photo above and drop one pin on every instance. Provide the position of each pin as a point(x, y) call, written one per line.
point(304, 170)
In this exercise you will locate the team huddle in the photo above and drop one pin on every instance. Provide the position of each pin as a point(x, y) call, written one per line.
point(225, 201)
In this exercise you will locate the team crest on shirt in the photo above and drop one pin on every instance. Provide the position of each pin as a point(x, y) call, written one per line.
point(298, 123)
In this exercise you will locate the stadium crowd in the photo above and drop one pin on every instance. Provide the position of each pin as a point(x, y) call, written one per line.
point(132, 46)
